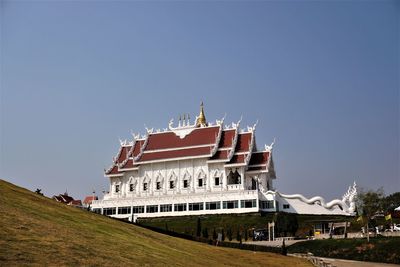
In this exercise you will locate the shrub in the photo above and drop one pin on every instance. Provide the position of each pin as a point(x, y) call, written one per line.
point(238, 236)
point(229, 234)
point(198, 229)
point(205, 233)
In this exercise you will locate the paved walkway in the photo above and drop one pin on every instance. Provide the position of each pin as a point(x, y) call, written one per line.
point(350, 263)
point(273, 243)
point(334, 262)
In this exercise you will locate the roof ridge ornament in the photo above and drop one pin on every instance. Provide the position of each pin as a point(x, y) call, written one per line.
point(270, 147)
point(220, 122)
point(148, 130)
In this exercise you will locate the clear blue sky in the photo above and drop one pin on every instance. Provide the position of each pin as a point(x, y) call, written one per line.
point(320, 76)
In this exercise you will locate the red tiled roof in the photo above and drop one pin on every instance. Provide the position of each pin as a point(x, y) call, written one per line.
point(123, 153)
point(258, 158)
point(243, 142)
point(129, 164)
point(136, 149)
point(63, 198)
point(190, 152)
point(114, 170)
point(75, 203)
point(89, 199)
point(199, 142)
point(237, 159)
point(169, 140)
point(220, 155)
point(260, 168)
point(121, 156)
point(227, 137)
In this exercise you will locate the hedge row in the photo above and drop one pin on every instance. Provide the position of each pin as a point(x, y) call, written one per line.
point(251, 247)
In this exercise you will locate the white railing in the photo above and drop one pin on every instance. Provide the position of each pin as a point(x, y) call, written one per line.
point(233, 186)
point(146, 197)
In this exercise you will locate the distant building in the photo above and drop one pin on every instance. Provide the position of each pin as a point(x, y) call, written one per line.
point(75, 203)
point(68, 200)
point(88, 200)
point(200, 168)
point(63, 198)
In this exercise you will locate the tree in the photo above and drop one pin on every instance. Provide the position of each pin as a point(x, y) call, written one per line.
point(238, 236)
point(286, 223)
point(368, 204)
point(205, 232)
point(229, 234)
point(391, 202)
point(39, 191)
point(198, 229)
point(223, 235)
point(214, 235)
point(246, 234)
point(284, 249)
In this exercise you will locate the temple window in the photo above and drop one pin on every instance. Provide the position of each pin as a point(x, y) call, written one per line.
point(180, 207)
point(171, 184)
point(251, 203)
point(144, 186)
point(253, 184)
point(185, 183)
point(124, 210)
point(158, 185)
point(138, 209)
point(269, 204)
point(151, 208)
point(213, 205)
point(200, 182)
point(232, 204)
point(166, 208)
point(216, 181)
point(131, 187)
point(234, 177)
point(196, 206)
point(286, 206)
point(109, 211)
point(117, 188)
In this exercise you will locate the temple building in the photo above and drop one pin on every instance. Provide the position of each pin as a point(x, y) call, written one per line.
point(193, 169)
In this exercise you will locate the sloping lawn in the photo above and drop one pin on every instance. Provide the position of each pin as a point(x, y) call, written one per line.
point(35, 230)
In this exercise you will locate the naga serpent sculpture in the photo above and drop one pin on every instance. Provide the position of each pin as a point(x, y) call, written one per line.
point(347, 204)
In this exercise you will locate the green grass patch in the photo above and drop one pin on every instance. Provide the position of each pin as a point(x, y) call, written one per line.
point(381, 249)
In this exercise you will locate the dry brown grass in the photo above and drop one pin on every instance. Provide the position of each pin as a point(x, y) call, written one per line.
point(35, 230)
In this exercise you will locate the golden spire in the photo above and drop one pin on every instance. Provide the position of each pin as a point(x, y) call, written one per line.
point(201, 119)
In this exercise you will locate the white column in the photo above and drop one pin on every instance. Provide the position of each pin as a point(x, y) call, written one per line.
point(224, 179)
point(242, 180)
point(179, 179)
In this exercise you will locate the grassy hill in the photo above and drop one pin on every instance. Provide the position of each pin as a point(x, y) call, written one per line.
point(35, 230)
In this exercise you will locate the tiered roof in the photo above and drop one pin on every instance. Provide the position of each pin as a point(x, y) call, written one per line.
point(229, 145)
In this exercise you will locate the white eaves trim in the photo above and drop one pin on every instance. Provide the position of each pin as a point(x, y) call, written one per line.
point(114, 175)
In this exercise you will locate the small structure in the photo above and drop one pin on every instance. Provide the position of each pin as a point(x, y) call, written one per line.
point(75, 203)
point(68, 200)
point(88, 200)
